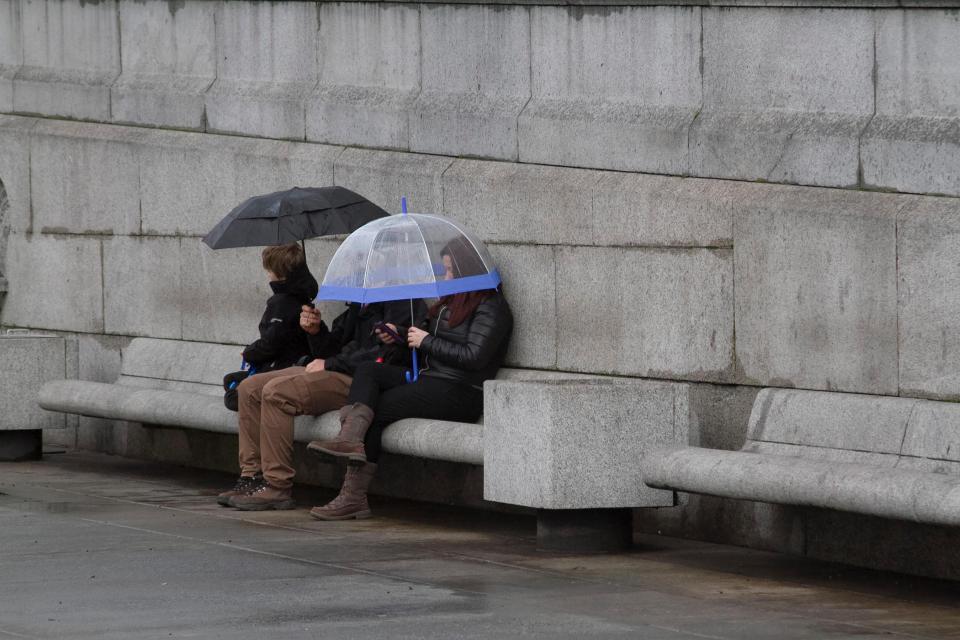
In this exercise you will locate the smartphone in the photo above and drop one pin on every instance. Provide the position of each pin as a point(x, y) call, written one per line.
point(382, 327)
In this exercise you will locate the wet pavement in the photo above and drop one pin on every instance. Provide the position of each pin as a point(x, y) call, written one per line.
point(94, 546)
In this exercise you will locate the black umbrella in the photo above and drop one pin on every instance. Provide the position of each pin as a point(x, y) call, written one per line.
point(295, 214)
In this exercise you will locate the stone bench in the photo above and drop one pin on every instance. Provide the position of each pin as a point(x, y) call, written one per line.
point(890, 457)
point(176, 383)
point(531, 442)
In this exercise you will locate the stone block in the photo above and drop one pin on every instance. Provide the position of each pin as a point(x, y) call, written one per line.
point(54, 283)
point(141, 286)
point(915, 154)
point(913, 143)
point(369, 56)
point(15, 172)
point(576, 444)
point(29, 360)
point(85, 178)
point(634, 209)
point(385, 176)
point(169, 62)
point(786, 95)
point(529, 282)
point(70, 59)
point(613, 88)
point(475, 65)
point(266, 67)
point(846, 421)
point(509, 202)
point(169, 360)
point(934, 432)
point(225, 292)
point(11, 55)
point(929, 299)
point(816, 289)
point(661, 313)
point(190, 181)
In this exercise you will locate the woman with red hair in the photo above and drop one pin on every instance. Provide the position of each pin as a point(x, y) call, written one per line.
point(464, 343)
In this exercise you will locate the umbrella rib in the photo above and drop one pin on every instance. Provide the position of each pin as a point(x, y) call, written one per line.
point(426, 249)
point(366, 265)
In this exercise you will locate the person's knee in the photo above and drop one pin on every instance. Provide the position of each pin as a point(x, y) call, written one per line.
point(278, 393)
point(248, 387)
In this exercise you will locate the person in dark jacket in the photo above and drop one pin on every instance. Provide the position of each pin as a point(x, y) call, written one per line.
point(269, 402)
point(465, 343)
point(282, 343)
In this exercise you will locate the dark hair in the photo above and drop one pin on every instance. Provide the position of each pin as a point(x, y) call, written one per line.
point(466, 262)
point(284, 259)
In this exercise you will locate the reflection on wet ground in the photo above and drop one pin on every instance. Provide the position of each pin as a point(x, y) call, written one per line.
point(94, 546)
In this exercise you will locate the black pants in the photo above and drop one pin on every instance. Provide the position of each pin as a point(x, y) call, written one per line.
point(384, 389)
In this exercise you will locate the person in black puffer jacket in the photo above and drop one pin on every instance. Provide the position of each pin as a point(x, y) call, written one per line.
point(464, 344)
point(282, 342)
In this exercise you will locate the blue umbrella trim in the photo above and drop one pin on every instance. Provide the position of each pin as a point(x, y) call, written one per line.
point(436, 289)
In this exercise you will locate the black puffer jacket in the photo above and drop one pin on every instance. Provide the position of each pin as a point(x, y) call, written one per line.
point(474, 350)
point(350, 341)
point(282, 342)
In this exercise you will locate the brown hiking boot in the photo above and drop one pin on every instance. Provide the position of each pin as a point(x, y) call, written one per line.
point(243, 485)
point(263, 498)
point(352, 501)
point(355, 419)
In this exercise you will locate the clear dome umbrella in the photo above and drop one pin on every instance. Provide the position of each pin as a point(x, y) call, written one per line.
point(408, 256)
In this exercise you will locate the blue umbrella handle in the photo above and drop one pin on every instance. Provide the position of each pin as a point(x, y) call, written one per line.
point(416, 370)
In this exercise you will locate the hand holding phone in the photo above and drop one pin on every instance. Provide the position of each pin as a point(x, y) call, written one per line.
point(387, 330)
point(310, 319)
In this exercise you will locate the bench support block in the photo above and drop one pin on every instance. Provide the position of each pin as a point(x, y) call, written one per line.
point(584, 530)
point(21, 445)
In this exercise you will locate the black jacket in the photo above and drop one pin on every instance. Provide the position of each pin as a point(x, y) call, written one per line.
point(474, 350)
point(282, 342)
point(350, 341)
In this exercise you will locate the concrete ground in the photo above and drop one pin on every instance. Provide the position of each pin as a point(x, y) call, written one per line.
point(93, 546)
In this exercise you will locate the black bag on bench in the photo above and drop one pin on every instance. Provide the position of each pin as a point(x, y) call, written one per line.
point(230, 383)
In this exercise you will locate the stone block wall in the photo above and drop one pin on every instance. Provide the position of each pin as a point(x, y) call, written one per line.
point(730, 196)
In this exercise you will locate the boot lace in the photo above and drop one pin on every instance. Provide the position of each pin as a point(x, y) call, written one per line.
point(246, 483)
point(259, 487)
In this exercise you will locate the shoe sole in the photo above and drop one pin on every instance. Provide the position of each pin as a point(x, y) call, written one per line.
point(269, 506)
point(339, 455)
point(361, 515)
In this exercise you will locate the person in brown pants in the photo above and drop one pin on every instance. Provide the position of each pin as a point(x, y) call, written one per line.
point(269, 402)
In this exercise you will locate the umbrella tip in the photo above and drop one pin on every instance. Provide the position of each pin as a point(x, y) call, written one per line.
point(403, 205)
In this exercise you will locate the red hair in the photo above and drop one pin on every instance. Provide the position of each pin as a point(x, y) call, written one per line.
point(461, 305)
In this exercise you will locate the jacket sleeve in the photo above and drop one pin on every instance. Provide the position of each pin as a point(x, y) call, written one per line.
point(489, 327)
point(351, 357)
point(328, 341)
point(358, 344)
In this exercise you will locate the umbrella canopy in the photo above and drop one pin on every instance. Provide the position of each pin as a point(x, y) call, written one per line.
point(288, 216)
point(408, 256)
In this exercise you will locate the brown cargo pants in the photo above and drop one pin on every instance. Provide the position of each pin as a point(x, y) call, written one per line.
point(268, 403)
